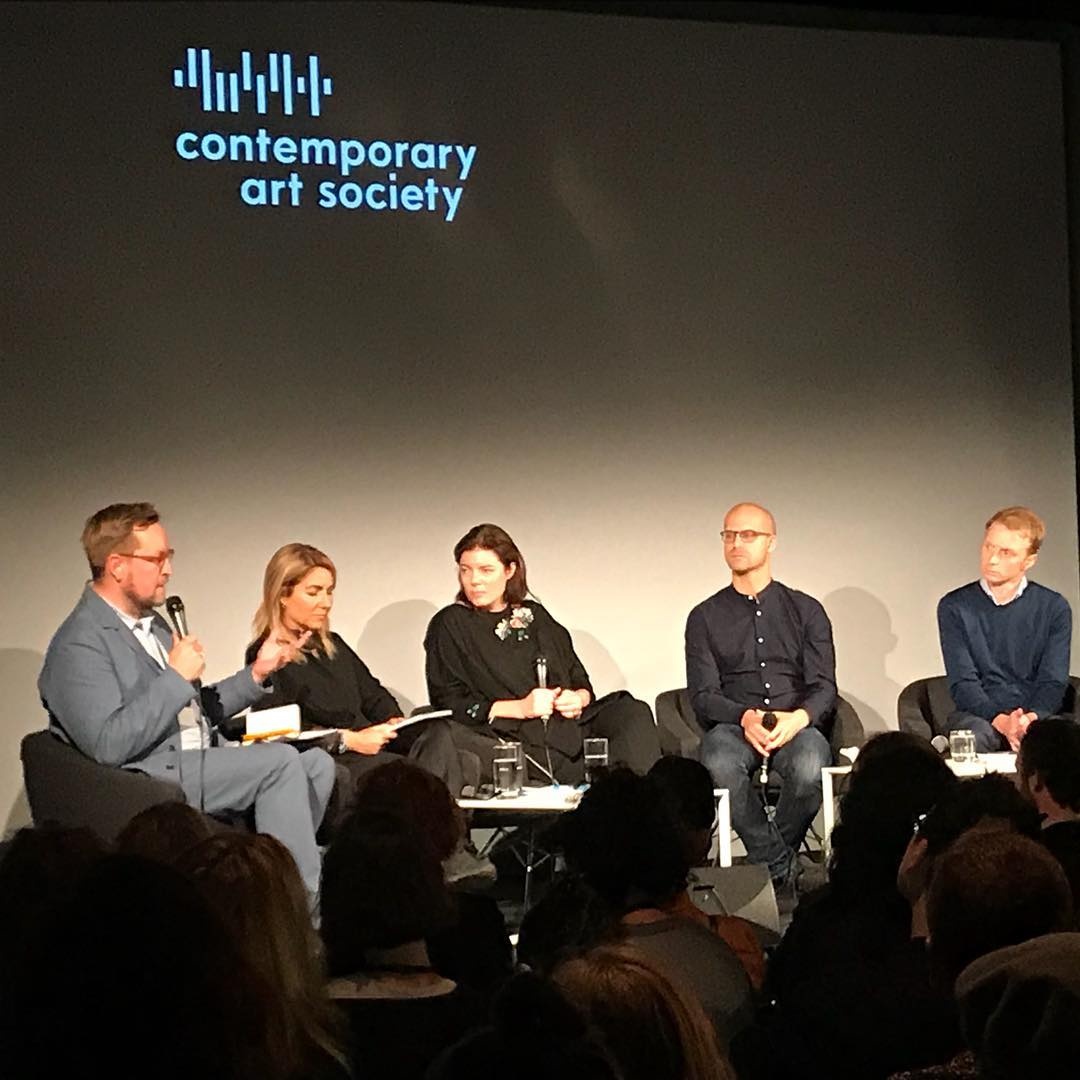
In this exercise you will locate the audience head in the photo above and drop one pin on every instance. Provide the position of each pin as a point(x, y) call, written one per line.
point(251, 881)
point(652, 1028)
point(536, 1030)
point(1049, 765)
point(134, 952)
point(686, 790)
point(164, 832)
point(895, 779)
point(298, 593)
point(491, 568)
point(39, 869)
point(569, 918)
point(417, 796)
point(992, 888)
point(989, 802)
point(111, 529)
point(382, 886)
point(1020, 1009)
point(623, 843)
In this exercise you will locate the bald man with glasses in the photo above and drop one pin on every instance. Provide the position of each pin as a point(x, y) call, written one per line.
point(761, 673)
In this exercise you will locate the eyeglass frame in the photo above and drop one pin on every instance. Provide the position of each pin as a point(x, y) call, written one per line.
point(747, 536)
point(160, 560)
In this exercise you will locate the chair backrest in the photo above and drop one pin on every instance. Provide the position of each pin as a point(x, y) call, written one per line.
point(681, 731)
point(64, 786)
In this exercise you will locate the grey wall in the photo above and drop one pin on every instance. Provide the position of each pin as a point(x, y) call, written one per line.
point(694, 264)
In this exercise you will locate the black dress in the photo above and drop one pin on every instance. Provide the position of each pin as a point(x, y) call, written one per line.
point(478, 657)
point(340, 691)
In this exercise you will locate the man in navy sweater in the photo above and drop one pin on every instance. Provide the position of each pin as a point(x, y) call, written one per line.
point(1005, 639)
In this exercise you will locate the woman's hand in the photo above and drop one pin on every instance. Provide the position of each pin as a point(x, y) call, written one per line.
point(571, 703)
point(539, 702)
point(369, 740)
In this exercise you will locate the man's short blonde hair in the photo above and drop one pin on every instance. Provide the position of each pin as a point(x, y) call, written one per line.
point(1022, 520)
point(110, 529)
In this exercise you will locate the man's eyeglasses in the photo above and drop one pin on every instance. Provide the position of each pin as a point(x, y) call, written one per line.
point(160, 560)
point(747, 536)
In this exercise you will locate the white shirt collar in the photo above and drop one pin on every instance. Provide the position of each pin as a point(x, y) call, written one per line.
point(1015, 596)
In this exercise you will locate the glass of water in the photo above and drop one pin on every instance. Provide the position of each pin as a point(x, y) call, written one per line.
point(508, 769)
point(962, 745)
point(596, 758)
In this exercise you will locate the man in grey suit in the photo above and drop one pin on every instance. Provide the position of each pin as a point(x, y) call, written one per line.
point(118, 685)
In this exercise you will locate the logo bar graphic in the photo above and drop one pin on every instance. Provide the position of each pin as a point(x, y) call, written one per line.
point(221, 90)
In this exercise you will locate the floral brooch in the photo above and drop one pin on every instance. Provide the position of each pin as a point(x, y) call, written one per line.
point(517, 622)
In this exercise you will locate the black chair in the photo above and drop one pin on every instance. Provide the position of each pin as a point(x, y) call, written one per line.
point(681, 733)
point(923, 706)
point(66, 787)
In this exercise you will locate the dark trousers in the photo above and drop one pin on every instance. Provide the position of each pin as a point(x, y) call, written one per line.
point(427, 744)
point(734, 764)
point(624, 721)
point(988, 740)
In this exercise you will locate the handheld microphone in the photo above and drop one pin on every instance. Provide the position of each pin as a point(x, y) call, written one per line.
point(174, 606)
point(768, 722)
point(541, 680)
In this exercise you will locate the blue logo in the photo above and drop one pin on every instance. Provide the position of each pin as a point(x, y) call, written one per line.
point(390, 173)
point(221, 91)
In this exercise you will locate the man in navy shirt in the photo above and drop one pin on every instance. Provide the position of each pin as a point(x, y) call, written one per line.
point(759, 654)
point(1005, 639)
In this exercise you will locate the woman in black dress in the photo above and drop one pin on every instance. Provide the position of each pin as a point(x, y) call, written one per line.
point(482, 654)
point(332, 685)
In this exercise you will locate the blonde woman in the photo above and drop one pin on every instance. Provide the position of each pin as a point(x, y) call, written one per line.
point(332, 685)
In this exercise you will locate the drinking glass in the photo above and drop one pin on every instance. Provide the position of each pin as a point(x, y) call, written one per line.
point(962, 745)
point(596, 758)
point(508, 769)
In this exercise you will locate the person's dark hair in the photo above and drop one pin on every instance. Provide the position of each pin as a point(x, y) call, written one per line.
point(622, 840)
point(488, 537)
point(687, 790)
point(653, 1028)
point(251, 881)
point(1051, 748)
point(134, 953)
point(38, 872)
point(886, 743)
point(896, 782)
point(533, 1026)
point(163, 832)
point(381, 886)
point(992, 888)
point(988, 800)
point(110, 529)
point(570, 917)
point(418, 796)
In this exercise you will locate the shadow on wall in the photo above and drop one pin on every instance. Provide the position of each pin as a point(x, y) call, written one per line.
point(605, 674)
point(392, 644)
point(862, 632)
point(23, 713)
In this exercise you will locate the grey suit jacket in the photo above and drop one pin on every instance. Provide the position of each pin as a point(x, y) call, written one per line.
point(107, 696)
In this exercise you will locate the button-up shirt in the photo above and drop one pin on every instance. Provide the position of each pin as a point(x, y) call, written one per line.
point(772, 651)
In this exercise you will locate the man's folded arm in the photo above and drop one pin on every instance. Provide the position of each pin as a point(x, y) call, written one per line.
point(703, 679)
point(964, 683)
point(81, 691)
point(1052, 677)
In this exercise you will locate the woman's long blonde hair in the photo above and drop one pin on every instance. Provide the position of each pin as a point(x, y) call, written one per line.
point(286, 568)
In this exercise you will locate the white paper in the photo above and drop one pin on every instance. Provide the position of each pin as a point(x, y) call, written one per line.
point(422, 716)
point(284, 718)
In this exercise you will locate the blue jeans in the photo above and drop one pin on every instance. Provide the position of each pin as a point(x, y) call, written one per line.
point(735, 764)
point(988, 740)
